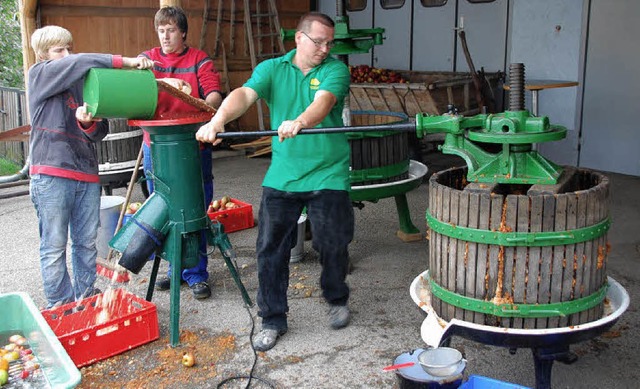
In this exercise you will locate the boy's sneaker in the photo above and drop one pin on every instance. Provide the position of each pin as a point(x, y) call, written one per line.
point(267, 338)
point(339, 316)
point(164, 283)
point(201, 290)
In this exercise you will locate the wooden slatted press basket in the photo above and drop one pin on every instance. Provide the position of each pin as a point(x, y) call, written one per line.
point(378, 156)
point(519, 256)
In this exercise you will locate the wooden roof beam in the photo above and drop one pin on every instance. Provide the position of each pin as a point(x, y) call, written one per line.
point(28, 10)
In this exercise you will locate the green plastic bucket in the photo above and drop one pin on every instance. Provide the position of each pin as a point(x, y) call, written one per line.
point(119, 93)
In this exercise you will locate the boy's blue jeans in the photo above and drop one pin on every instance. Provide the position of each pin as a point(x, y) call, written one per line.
point(66, 208)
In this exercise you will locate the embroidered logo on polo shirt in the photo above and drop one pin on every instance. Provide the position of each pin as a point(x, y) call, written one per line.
point(314, 83)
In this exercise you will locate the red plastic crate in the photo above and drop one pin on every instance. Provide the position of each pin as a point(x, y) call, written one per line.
point(98, 327)
point(235, 219)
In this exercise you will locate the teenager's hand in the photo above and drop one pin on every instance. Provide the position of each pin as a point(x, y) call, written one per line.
point(137, 63)
point(85, 117)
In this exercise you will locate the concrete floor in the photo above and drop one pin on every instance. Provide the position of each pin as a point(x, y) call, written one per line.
point(385, 322)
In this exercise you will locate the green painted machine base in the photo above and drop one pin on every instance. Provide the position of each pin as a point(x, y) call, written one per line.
point(408, 232)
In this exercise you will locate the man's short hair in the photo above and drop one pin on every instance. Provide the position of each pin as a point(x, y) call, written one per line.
point(305, 21)
point(171, 14)
point(47, 37)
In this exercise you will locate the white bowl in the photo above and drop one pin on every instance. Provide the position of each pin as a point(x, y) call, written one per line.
point(441, 361)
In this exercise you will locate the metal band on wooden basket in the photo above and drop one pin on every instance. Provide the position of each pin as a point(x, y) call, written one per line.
point(377, 173)
point(536, 310)
point(535, 239)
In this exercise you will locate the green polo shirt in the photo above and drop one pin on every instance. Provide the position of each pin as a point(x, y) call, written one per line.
point(306, 162)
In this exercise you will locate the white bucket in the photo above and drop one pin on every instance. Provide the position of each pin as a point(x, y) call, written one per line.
point(110, 207)
point(298, 251)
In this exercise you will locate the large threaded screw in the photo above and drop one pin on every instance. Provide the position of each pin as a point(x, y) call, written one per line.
point(516, 87)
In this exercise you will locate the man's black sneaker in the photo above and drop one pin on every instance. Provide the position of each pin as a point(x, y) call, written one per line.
point(200, 290)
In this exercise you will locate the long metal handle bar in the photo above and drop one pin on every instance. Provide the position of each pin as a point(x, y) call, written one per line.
point(401, 127)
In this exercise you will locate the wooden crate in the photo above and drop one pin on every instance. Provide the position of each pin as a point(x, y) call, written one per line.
point(426, 92)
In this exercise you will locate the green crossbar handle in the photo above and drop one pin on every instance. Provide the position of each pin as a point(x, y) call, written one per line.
point(527, 311)
point(534, 239)
point(401, 127)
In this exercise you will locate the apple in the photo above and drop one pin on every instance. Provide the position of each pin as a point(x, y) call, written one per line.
point(188, 360)
point(4, 377)
point(11, 356)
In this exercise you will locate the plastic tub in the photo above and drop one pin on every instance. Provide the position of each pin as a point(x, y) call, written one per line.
point(480, 382)
point(110, 207)
point(22, 316)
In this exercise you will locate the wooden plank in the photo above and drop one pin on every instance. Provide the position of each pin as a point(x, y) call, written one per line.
point(453, 249)
point(481, 187)
point(111, 12)
point(264, 141)
point(472, 256)
point(569, 275)
point(408, 100)
point(377, 99)
point(392, 100)
point(462, 259)
point(565, 179)
point(262, 151)
point(450, 98)
point(437, 271)
point(495, 260)
point(360, 99)
point(580, 253)
point(425, 103)
point(521, 258)
point(588, 261)
point(603, 249)
point(431, 236)
point(483, 253)
point(510, 220)
point(599, 252)
point(533, 263)
point(446, 242)
point(546, 256)
point(558, 258)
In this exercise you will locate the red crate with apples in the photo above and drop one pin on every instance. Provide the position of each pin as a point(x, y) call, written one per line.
point(235, 218)
point(103, 325)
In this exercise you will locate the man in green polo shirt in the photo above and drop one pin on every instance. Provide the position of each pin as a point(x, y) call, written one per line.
point(304, 88)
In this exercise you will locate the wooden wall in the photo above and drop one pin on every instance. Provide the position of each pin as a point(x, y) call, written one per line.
point(126, 27)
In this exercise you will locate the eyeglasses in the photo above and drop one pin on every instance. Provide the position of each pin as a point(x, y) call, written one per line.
point(318, 43)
